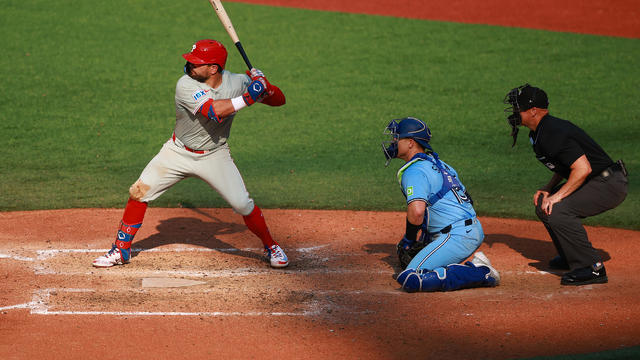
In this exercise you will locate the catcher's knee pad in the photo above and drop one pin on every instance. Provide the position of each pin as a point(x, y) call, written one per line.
point(413, 281)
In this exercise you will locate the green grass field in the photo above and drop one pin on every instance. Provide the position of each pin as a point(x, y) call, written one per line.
point(87, 101)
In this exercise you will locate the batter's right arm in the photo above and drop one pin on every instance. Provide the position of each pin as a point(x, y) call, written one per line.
point(216, 110)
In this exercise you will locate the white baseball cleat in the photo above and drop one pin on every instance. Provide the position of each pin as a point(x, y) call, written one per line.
point(480, 259)
point(112, 257)
point(276, 256)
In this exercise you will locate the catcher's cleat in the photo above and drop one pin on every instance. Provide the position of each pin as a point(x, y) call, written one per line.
point(558, 263)
point(277, 257)
point(595, 274)
point(111, 258)
point(480, 259)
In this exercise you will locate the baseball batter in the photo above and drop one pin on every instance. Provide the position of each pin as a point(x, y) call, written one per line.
point(207, 100)
point(438, 206)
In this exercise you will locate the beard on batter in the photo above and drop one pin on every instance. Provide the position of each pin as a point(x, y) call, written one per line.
point(198, 77)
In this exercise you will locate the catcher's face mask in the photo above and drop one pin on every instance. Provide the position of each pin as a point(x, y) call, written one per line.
point(514, 118)
point(390, 147)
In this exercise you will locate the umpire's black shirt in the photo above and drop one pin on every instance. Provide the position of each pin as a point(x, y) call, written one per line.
point(559, 143)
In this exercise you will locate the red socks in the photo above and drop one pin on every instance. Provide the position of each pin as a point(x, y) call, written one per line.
point(134, 212)
point(255, 222)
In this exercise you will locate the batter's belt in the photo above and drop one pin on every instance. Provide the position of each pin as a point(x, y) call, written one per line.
point(180, 144)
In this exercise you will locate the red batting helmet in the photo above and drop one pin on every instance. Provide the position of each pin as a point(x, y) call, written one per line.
point(207, 51)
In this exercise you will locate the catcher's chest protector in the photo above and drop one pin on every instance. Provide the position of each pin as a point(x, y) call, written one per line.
point(449, 182)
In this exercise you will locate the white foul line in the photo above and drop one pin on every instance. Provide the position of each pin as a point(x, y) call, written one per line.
point(15, 257)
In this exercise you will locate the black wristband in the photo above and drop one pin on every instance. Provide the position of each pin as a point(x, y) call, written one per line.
point(411, 233)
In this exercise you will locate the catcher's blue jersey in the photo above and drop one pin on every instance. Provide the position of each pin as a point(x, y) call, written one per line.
point(428, 179)
point(422, 180)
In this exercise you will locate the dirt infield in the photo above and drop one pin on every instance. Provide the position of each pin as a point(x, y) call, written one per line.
point(601, 17)
point(338, 299)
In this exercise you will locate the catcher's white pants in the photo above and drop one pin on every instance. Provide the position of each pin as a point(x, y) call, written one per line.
point(174, 163)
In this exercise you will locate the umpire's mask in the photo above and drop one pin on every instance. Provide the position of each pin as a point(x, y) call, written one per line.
point(519, 99)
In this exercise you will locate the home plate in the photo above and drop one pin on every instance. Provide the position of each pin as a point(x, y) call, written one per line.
point(168, 282)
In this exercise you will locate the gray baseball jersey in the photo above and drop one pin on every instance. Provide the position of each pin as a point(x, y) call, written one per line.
point(212, 161)
point(194, 130)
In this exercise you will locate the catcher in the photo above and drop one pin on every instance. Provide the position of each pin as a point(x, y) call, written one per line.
point(440, 208)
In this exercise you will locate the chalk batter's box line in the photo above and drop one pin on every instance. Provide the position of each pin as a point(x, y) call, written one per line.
point(238, 272)
point(48, 253)
point(39, 305)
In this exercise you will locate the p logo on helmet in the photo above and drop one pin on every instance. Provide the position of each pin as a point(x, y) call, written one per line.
point(206, 51)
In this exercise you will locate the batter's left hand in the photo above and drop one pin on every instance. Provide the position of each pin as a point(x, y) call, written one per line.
point(254, 73)
point(257, 74)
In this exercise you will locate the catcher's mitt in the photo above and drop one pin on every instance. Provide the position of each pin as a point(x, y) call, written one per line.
point(406, 255)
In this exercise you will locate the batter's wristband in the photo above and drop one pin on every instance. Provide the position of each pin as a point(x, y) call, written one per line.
point(248, 99)
point(238, 103)
point(411, 232)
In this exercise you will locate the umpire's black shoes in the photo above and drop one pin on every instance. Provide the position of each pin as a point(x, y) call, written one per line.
point(559, 263)
point(594, 274)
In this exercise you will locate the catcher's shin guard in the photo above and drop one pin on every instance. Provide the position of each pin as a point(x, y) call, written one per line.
point(413, 281)
point(453, 277)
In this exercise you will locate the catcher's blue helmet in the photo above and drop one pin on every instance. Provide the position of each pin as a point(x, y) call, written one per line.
point(408, 127)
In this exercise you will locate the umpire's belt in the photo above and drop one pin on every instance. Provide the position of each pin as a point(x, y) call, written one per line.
point(617, 166)
point(447, 229)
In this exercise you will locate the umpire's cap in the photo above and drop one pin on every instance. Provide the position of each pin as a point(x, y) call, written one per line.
point(531, 96)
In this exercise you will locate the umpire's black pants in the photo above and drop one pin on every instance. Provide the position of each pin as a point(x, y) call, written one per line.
point(564, 225)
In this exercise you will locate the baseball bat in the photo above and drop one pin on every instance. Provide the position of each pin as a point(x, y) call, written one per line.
point(228, 25)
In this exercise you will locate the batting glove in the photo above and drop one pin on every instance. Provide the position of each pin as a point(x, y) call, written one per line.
point(255, 91)
point(255, 73)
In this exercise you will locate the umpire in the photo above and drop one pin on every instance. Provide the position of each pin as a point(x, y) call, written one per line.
point(594, 183)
